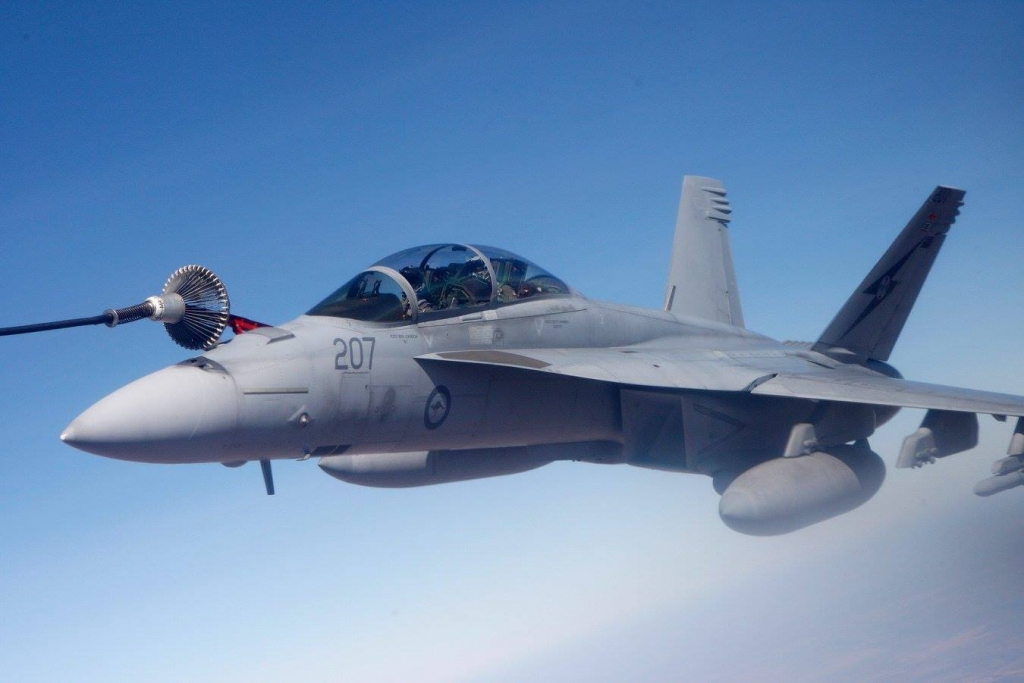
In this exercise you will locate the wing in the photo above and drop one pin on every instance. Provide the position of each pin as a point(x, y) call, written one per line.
point(887, 391)
point(629, 366)
point(774, 372)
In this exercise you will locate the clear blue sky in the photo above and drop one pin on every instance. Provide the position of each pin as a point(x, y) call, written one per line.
point(286, 148)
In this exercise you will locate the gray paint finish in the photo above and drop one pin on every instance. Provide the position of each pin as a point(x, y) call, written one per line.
point(446, 384)
point(701, 279)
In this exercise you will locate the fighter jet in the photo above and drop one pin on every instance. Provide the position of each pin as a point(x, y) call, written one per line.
point(452, 362)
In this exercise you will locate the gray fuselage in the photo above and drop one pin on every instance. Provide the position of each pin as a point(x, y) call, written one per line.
point(322, 386)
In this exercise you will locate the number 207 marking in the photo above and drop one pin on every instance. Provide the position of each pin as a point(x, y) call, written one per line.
point(352, 355)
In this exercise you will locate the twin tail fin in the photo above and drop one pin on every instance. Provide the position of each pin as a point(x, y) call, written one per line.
point(870, 322)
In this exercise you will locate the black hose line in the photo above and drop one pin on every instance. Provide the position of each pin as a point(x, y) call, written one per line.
point(194, 309)
point(55, 325)
point(110, 317)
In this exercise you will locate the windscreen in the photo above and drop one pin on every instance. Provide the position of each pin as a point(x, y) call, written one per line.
point(369, 296)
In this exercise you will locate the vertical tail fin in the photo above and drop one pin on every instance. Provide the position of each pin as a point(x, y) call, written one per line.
point(870, 322)
point(701, 278)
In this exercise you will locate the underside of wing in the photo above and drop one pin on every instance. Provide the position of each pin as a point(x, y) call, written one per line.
point(855, 386)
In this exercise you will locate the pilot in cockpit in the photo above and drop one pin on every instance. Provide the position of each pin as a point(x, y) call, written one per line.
point(418, 281)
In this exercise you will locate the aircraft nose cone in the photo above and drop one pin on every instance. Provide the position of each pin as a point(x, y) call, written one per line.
point(178, 414)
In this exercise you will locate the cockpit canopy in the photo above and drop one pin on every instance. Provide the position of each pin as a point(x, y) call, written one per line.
point(433, 280)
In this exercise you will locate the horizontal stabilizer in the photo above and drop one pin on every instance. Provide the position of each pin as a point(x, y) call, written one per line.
point(870, 322)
